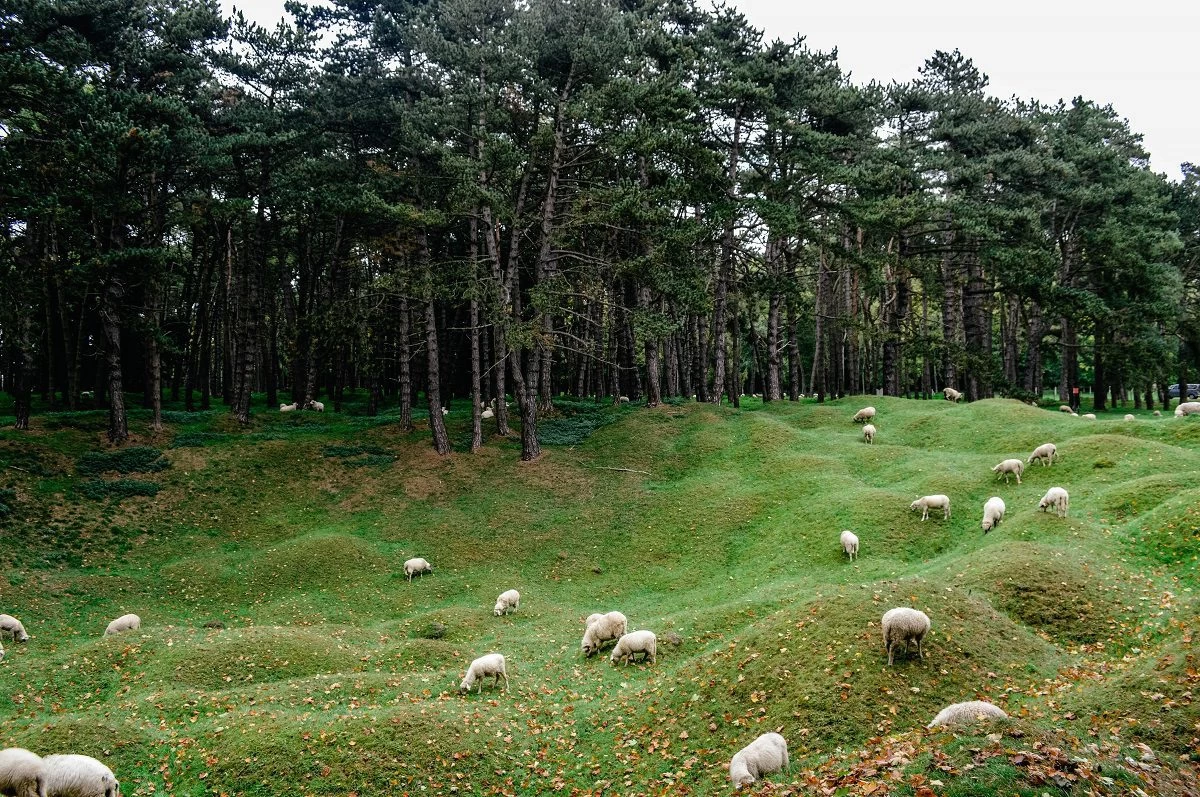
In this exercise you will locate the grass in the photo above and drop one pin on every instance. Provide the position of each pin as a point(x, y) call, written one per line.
point(282, 652)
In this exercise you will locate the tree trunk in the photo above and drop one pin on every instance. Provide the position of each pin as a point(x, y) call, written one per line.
point(795, 367)
point(772, 390)
point(406, 385)
point(110, 321)
point(1036, 330)
point(653, 384)
point(725, 266)
point(433, 387)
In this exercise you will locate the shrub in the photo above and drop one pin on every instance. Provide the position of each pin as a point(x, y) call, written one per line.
point(198, 439)
point(135, 459)
point(97, 489)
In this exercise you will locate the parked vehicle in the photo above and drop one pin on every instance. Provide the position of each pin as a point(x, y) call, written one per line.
point(1192, 392)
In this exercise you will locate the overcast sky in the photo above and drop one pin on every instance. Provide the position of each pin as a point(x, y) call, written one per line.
point(1140, 57)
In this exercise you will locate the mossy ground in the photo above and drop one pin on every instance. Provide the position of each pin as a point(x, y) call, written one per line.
point(283, 653)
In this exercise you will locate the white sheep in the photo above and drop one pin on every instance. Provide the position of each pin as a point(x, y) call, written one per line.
point(1158, 413)
point(966, 713)
point(906, 625)
point(313, 404)
point(22, 773)
point(1091, 416)
point(605, 628)
point(951, 394)
point(634, 642)
point(625, 399)
point(869, 432)
point(11, 626)
point(765, 755)
point(850, 543)
point(1, 652)
point(1057, 498)
point(1045, 453)
point(993, 513)
point(417, 566)
point(509, 601)
point(1187, 408)
point(126, 622)
point(288, 407)
point(1129, 417)
point(1014, 466)
point(864, 415)
point(78, 776)
point(1066, 409)
point(488, 413)
point(491, 665)
point(927, 502)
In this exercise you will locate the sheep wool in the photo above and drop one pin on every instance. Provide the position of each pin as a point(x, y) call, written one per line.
point(927, 502)
point(1044, 453)
point(1057, 498)
point(765, 755)
point(288, 407)
point(850, 543)
point(1090, 416)
point(487, 414)
point(869, 432)
point(1187, 408)
point(906, 625)
point(1014, 466)
point(509, 601)
point(126, 622)
point(78, 776)
point(635, 642)
point(864, 415)
point(951, 394)
point(11, 626)
point(491, 665)
point(1066, 409)
point(966, 713)
point(22, 773)
point(993, 513)
point(315, 405)
point(1129, 417)
point(417, 566)
point(606, 628)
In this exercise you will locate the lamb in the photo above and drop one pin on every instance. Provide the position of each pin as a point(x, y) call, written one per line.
point(1187, 408)
point(1056, 497)
point(634, 642)
point(1044, 453)
point(313, 404)
point(965, 713)
point(763, 756)
point(906, 625)
point(488, 413)
point(509, 600)
point(1091, 416)
point(1066, 409)
point(850, 543)
point(864, 415)
point(78, 776)
point(993, 513)
point(1014, 466)
point(126, 622)
point(22, 773)
point(1129, 417)
point(417, 566)
point(869, 432)
point(288, 407)
point(951, 394)
point(12, 627)
point(927, 502)
point(492, 665)
point(605, 628)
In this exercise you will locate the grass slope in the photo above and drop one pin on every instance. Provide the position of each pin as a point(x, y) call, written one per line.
point(283, 653)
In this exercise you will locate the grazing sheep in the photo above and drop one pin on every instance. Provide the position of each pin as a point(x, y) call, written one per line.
point(11, 626)
point(591, 618)
point(1091, 416)
point(605, 628)
point(927, 502)
point(869, 432)
point(1066, 409)
point(1014, 466)
point(314, 405)
point(864, 415)
point(625, 399)
point(417, 566)
point(966, 713)
point(1045, 453)
point(78, 776)
point(1158, 413)
point(1187, 408)
point(491, 664)
point(87, 395)
point(488, 413)
point(764, 756)
point(288, 407)
point(126, 622)
point(906, 625)
point(634, 642)
point(993, 513)
point(951, 394)
point(509, 601)
point(22, 773)
point(1129, 417)
point(1074, 414)
point(1055, 497)
point(850, 543)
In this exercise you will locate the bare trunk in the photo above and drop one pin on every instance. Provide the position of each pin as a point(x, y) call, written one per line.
point(110, 322)
point(406, 391)
point(725, 266)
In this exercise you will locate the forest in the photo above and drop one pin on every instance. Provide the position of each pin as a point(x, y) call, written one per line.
point(436, 199)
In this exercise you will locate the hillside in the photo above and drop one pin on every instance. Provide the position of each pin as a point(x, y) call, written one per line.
point(283, 653)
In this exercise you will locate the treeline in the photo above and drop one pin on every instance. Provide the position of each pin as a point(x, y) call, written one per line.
point(438, 198)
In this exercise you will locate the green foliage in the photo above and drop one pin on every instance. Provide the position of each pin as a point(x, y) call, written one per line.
point(8, 500)
point(135, 459)
point(118, 489)
point(576, 421)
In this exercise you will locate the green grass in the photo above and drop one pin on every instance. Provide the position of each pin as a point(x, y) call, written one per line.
point(282, 651)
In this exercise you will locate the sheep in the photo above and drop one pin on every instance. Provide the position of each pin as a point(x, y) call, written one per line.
point(488, 413)
point(850, 543)
point(1045, 453)
point(509, 601)
point(445, 412)
point(765, 755)
point(605, 628)
point(1187, 408)
point(951, 394)
point(313, 404)
point(1066, 409)
point(965, 713)
point(492, 665)
point(1, 652)
point(906, 625)
point(417, 566)
point(1129, 417)
point(864, 415)
point(12, 627)
point(22, 773)
point(993, 513)
point(634, 642)
point(1014, 466)
point(1091, 416)
point(927, 502)
point(288, 407)
point(869, 432)
point(78, 776)
point(1056, 497)
point(1158, 413)
point(625, 399)
point(126, 622)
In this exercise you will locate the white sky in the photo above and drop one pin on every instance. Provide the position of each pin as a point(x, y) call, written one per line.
point(1136, 56)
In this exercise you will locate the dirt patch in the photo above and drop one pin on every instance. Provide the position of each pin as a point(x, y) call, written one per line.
point(187, 459)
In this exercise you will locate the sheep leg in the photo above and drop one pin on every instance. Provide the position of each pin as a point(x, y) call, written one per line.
point(505, 681)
